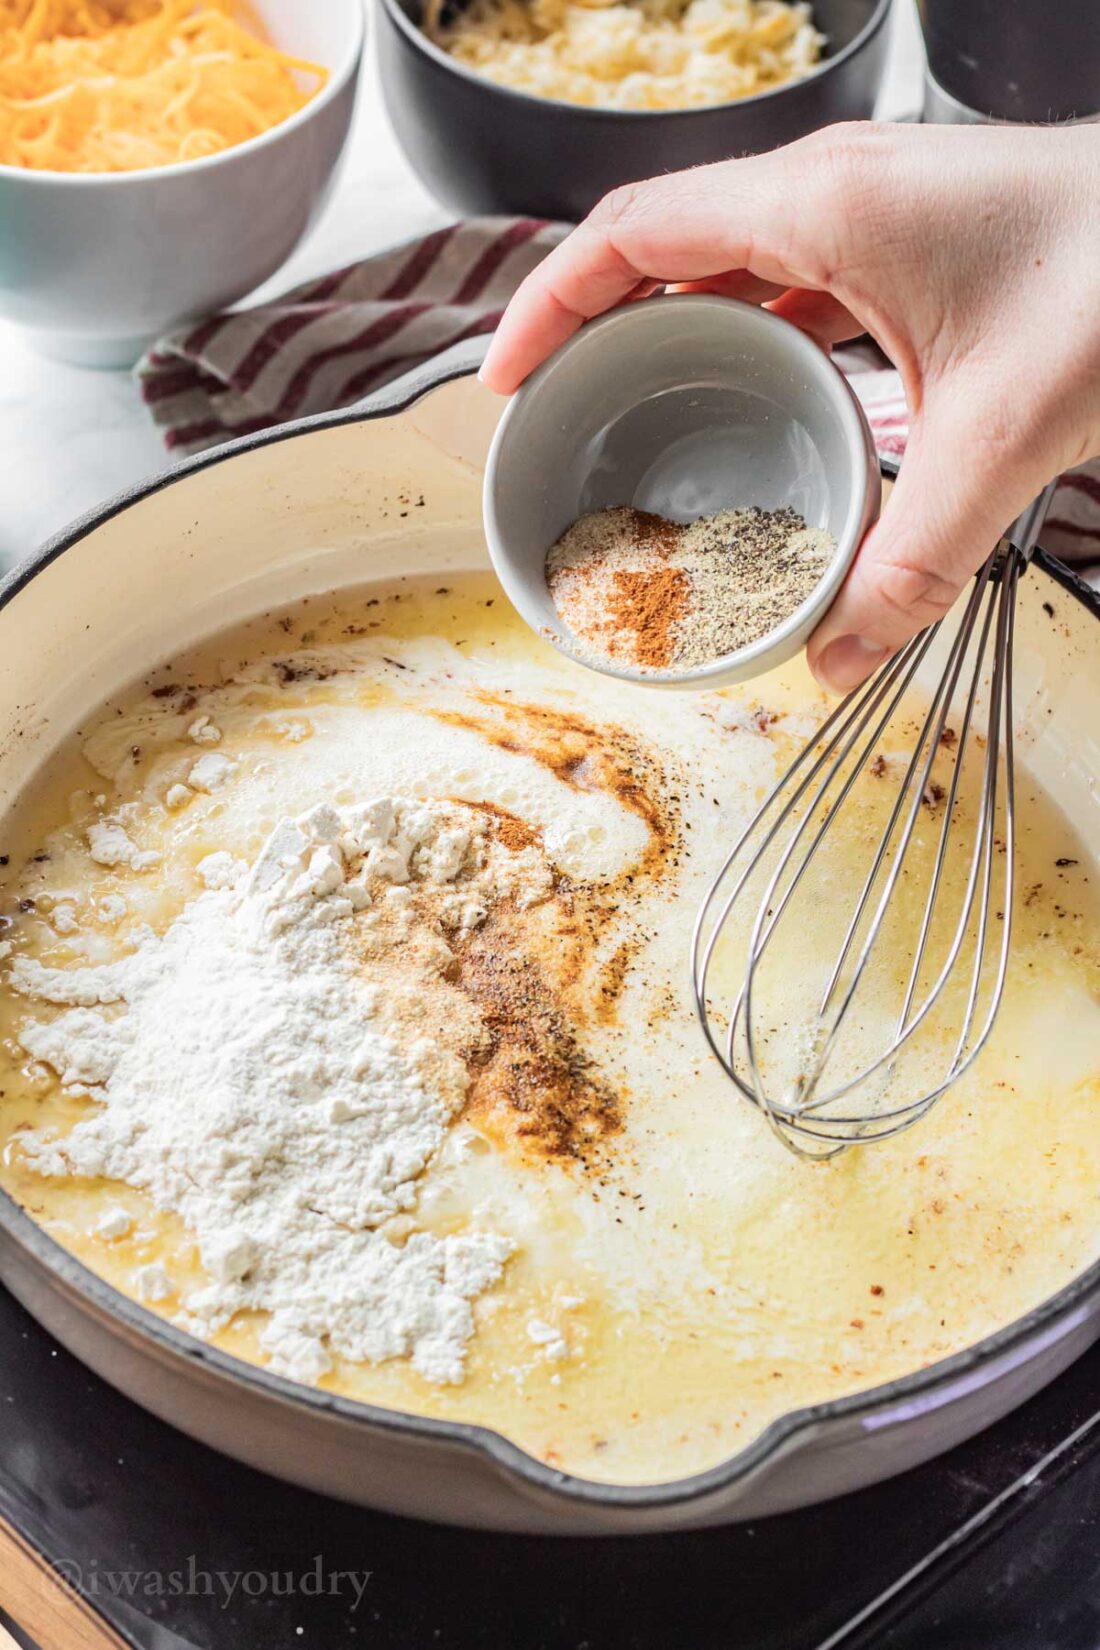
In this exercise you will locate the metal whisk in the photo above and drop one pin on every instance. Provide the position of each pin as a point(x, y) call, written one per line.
point(958, 959)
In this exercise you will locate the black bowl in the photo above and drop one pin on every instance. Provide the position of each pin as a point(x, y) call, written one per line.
point(480, 147)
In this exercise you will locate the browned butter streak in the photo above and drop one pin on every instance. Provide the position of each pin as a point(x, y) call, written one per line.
point(505, 1007)
point(586, 756)
point(509, 829)
point(533, 1084)
point(612, 980)
point(530, 973)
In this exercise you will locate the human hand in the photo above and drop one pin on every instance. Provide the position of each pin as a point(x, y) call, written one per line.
point(971, 255)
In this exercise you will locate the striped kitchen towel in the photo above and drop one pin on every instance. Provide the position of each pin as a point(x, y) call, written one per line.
point(326, 344)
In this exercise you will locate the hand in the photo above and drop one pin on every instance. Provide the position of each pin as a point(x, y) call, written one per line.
point(972, 256)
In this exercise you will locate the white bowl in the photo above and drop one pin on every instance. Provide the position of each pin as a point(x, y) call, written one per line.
point(97, 265)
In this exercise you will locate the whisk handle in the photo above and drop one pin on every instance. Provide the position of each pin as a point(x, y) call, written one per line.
point(1024, 532)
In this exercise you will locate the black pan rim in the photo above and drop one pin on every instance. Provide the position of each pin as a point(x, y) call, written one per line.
point(86, 1290)
point(559, 108)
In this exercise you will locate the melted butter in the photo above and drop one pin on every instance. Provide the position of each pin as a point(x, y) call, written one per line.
point(702, 1281)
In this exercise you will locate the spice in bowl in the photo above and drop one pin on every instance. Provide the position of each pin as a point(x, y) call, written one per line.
point(656, 596)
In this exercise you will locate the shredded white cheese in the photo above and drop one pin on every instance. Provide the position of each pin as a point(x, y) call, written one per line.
point(633, 54)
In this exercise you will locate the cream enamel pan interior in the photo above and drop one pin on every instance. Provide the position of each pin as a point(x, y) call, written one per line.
point(309, 508)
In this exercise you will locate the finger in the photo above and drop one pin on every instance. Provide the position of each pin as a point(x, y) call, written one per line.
point(686, 227)
point(644, 289)
point(824, 317)
point(735, 283)
point(942, 519)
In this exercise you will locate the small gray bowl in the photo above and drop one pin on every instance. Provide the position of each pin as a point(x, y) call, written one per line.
point(682, 405)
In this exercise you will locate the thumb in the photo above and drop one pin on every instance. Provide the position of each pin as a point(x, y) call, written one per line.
point(944, 516)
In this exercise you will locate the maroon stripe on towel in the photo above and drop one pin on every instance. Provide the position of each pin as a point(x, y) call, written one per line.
point(197, 341)
point(281, 331)
point(494, 255)
point(361, 381)
point(1089, 485)
point(169, 381)
point(413, 271)
point(379, 332)
point(179, 379)
point(1072, 529)
point(184, 435)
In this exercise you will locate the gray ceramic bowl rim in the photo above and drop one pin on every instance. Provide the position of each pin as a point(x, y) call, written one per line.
point(338, 78)
point(468, 1436)
point(428, 48)
point(862, 511)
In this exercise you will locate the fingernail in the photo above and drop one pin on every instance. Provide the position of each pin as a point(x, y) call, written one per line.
point(848, 661)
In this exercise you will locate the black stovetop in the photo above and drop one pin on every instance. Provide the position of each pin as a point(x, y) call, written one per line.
point(994, 1547)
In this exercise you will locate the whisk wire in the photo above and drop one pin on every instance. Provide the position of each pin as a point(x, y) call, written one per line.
point(941, 848)
point(907, 664)
point(1000, 725)
point(866, 701)
point(805, 804)
point(874, 689)
point(928, 745)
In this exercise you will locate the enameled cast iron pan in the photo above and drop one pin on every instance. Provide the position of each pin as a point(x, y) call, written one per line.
point(312, 506)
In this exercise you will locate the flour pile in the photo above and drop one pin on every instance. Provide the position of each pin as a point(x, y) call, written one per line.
point(257, 1082)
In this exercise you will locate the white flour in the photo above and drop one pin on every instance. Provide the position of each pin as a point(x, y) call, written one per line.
point(254, 1081)
point(108, 844)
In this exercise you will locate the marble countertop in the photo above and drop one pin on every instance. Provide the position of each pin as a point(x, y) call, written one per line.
point(71, 437)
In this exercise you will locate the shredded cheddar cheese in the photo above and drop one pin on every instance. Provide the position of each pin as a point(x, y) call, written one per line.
point(123, 85)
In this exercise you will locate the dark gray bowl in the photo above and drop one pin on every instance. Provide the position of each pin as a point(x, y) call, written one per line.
point(480, 147)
